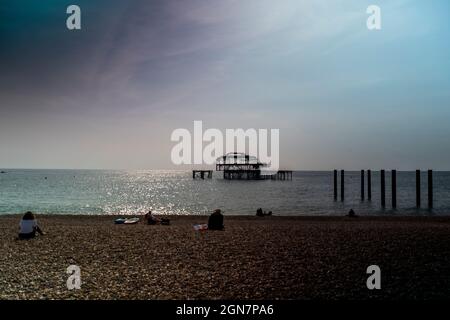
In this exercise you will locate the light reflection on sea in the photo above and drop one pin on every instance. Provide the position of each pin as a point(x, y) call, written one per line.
point(175, 192)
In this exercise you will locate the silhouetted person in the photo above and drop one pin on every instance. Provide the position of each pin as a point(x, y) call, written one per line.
point(151, 219)
point(215, 221)
point(351, 214)
point(259, 212)
point(29, 226)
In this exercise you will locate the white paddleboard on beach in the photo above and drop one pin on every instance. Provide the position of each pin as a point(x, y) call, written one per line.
point(126, 221)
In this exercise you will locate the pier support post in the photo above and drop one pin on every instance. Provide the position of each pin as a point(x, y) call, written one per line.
point(342, 185)
point(383, 189)
point(430, 189)
point(362, 185)
point(369, 185)
point(418, 188)
point(394, 188)
point(335, 184)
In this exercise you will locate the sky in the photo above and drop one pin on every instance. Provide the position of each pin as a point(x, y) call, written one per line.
point(109, 96)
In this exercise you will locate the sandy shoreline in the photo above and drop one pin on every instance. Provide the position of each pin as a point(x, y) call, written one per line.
point(254, 258)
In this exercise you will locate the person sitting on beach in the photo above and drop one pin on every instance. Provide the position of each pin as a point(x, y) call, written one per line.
point(351, 214)
point(29, 226)
point(215, 221)
point(259, 212)
point(151, 219)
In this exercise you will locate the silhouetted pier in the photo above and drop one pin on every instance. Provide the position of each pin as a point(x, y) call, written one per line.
point(202, 174)
point(240, 166)
point(279, 175)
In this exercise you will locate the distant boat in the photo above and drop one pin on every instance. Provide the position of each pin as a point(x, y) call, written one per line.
point(2, 171)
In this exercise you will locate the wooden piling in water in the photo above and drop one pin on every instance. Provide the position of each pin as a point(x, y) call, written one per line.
point(418, 188)
point(383, 189)
point(362, 184)
point(335, 184)
point(394, 188)
point(430, 189)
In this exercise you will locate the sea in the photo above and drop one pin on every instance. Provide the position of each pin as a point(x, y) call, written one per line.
point(98, 192)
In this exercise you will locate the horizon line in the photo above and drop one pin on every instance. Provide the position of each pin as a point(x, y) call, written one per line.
point(172, 169)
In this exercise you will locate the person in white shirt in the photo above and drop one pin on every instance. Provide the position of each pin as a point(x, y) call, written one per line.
point(29, 226)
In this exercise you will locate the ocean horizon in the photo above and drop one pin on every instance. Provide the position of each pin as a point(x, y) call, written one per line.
point(174, 192)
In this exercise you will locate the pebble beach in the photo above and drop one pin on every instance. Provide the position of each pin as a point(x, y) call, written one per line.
point(253, 258)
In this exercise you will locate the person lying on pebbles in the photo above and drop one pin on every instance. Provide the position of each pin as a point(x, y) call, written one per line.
point(149, 218)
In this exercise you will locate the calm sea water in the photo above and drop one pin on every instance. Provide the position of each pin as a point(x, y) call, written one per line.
point(175, 192)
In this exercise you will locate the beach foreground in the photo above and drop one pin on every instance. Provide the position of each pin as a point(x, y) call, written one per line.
point(254, 258)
